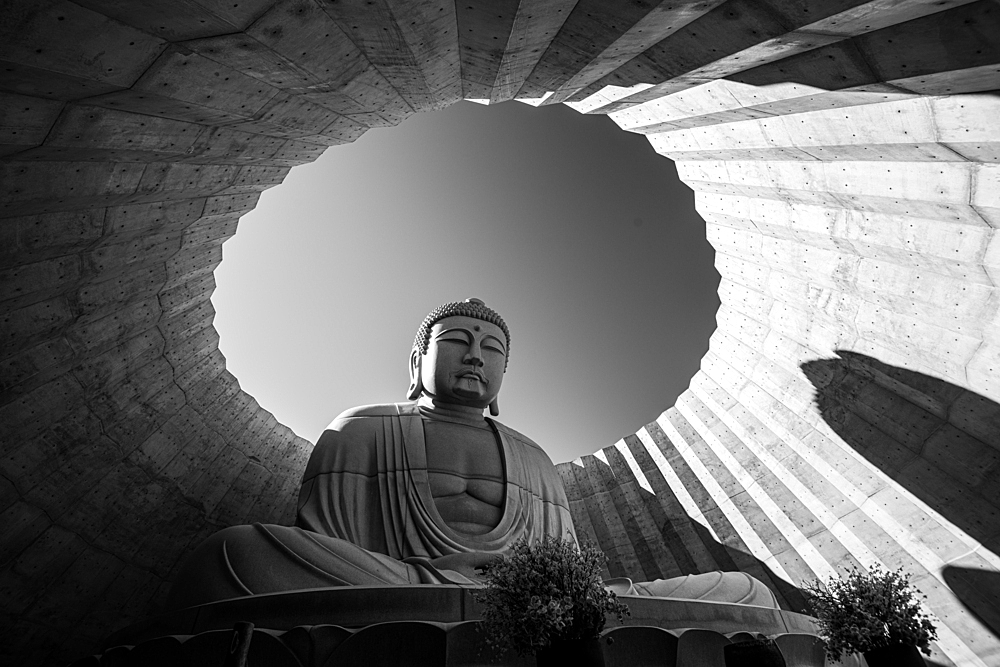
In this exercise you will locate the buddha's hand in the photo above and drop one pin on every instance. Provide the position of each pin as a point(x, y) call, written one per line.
point(472, 564)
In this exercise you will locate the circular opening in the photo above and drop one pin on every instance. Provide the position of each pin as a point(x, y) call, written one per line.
point(575, 231)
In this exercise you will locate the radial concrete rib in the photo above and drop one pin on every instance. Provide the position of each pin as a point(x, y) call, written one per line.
point(585, 529)
point(535, 26)
point(611, 532)
point(658, 561)
point(828, 56)
point(690, 545)
point(743, 549)
point(485, 31)
point(415, 46)
point(591, 27)
point(654, 27)
point(615, 482)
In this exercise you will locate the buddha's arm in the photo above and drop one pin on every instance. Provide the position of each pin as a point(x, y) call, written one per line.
point(338, 497)
point(347, 444)
point(469, 564)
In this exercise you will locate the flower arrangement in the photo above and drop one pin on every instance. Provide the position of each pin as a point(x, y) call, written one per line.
point(867, 611)
point(544, 592)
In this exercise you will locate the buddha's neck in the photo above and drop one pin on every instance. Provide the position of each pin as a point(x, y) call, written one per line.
point(433, 408)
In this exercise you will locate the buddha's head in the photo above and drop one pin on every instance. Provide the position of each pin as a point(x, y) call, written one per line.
point(460, 354)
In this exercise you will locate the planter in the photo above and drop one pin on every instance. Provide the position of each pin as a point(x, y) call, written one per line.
point(576, 652)
point(755, 653)
point(895, 655)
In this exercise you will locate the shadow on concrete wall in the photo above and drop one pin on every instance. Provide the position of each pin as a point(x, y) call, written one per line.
point(979, 591)
point(684, 547)
point(937, 440)
point(731, 559)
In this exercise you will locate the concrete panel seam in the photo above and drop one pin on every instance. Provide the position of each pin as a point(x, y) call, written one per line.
point(675, 484)
point(746, 532)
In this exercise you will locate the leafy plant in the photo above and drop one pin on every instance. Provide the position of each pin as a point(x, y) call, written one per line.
point(865, 611)
point(549, 590)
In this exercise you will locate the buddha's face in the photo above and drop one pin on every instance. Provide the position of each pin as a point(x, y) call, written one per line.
point(465, 361)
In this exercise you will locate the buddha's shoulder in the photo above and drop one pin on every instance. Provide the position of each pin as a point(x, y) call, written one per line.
point(352, 434)
point(520, 438)
point(376, 410)
point(361, 419)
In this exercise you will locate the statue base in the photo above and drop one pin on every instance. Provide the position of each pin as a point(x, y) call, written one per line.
point(434, 625)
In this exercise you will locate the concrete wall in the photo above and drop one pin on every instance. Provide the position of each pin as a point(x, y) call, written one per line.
point(843, 154)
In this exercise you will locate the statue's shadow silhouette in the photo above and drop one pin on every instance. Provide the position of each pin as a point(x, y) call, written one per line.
point(939, 441)
point(731, 559)
point(692, 547)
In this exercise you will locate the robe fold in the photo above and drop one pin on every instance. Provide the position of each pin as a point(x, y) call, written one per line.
point(366, 516)
point(729, 587)
point(369, 486)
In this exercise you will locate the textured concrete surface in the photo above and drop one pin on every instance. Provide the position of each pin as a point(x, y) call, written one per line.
point(843, 153)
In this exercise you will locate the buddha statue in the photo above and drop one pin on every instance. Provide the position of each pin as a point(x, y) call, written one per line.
point(422, 492)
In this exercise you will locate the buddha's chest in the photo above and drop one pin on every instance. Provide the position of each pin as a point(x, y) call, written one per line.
point(465, 472)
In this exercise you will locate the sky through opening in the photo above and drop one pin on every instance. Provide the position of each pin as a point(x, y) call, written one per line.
point(575, 231)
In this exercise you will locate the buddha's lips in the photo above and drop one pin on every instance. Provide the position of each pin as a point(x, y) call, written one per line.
point(474, 374)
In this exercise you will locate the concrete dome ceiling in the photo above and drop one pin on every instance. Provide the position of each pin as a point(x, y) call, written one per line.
point(843, 154)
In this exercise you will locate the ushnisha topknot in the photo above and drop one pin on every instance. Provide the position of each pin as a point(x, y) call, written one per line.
point(469, 308)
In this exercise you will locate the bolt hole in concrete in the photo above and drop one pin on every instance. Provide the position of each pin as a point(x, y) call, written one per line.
point(575, 231)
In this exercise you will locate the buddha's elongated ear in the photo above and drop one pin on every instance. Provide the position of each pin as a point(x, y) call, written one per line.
point(413, 393)
point(494, 408)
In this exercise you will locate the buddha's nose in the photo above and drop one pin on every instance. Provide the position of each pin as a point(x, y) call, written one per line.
point(474, 356)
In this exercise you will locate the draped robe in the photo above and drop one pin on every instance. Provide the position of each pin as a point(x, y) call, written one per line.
point(366, 515)
point(370, 487)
